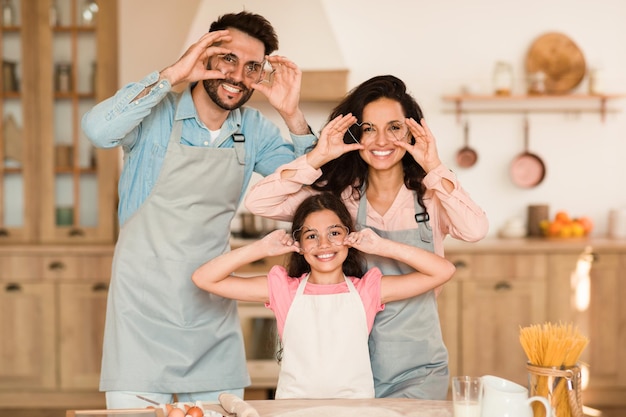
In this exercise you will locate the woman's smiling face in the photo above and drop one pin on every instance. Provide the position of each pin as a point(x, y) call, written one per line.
point(379, 150)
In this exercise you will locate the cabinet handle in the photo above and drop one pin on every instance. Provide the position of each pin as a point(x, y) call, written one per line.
point(56, 266)
point(258, 262)
point(502, 286)
point(13, 288)
point(76, 232)
point(4, 232)
point(459, 264)
point(100, 286)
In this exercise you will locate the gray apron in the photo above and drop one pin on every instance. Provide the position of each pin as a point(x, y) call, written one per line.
point(409, 358)
point(162, 333)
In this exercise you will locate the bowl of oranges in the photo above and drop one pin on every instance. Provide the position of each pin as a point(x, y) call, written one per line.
point(565, 226)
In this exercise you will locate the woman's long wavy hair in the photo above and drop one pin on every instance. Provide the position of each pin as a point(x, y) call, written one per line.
point(355, 264)
point(350, 170)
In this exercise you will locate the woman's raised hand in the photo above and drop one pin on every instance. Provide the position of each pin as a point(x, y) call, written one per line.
point(424, 150)
point(330, 144)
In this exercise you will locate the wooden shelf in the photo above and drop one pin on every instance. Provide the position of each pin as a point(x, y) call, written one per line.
point(548, 103)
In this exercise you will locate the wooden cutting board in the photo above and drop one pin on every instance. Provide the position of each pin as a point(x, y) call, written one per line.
point(560, 59)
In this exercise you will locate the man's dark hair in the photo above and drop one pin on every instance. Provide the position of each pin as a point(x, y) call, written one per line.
point(252, 24)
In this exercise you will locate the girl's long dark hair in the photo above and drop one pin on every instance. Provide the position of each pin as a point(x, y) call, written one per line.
point(349, 170)
point(355, 264)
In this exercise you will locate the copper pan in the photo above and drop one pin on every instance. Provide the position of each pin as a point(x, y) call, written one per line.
point(527, 169)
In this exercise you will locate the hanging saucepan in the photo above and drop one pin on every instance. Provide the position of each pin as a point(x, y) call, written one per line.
point(527, 169)
point(466, 157)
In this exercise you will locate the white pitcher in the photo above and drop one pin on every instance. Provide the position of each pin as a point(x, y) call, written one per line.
point(504, 398)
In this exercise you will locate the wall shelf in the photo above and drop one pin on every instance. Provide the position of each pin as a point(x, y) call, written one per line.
point(567, 103)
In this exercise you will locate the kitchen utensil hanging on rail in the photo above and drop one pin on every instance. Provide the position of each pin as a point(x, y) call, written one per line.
point(466, 157)
point(527, 169)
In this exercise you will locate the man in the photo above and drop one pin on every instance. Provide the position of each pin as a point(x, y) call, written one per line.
point(188, 159)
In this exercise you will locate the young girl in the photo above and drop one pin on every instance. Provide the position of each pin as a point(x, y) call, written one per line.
point(324, 302)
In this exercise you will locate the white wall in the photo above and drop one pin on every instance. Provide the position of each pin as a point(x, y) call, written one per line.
point(435, 47)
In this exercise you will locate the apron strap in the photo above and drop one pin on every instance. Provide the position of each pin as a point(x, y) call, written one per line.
point(239, 140)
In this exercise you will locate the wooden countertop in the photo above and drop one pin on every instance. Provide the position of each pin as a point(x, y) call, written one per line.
point(544, 245)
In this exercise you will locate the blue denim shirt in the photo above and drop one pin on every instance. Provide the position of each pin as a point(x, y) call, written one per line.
point(143, 128)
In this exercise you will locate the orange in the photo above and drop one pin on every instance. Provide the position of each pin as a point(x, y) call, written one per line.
point(586, 223)
point(562, 216)
point(554, 229)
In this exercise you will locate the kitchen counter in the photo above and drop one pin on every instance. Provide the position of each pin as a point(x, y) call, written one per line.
point(375, 407)
point(533, 244)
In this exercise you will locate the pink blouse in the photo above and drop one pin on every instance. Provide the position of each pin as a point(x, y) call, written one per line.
point(282, 290)
point(453, 214)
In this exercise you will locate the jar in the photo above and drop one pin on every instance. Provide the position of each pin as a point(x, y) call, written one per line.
point(63, 77)
point(503, 78)
point(560, 385)
point(596, 81)
point(8, 13)
point(54, 14)
point(537, 83)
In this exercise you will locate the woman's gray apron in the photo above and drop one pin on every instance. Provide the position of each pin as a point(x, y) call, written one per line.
point(162, 333)
point(409, 358)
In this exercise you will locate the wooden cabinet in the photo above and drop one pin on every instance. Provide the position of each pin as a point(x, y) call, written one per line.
point(593, 299)
point(82, 310)
point(54, 186)
point(52, 309)
point(28, 346)
point(498, 293)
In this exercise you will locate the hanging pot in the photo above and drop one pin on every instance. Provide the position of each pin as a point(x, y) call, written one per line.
point(466, 157)
point(527, 169)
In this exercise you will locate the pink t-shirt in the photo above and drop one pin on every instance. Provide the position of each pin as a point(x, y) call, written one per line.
point(282, 290)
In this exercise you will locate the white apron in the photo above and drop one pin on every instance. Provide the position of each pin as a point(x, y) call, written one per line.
point(409, 358)
point(320, 333)
point(162, 333)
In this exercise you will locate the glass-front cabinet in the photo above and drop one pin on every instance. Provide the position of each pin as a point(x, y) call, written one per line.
point(17, 110)
point(56, 187)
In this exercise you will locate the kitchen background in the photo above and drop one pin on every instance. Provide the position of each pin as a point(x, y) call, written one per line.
point(437, 48)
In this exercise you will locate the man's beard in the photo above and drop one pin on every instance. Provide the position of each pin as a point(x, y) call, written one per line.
point(211, 86)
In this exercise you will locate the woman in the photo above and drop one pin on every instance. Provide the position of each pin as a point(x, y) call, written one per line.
point(324, 301)
point(386, 167)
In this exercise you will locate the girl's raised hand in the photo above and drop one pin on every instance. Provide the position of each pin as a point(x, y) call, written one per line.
point(278, 242)
point(330, 144)
point(365, 240)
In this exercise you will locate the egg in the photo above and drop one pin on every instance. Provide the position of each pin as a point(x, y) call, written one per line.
point(176, 412)
point(195, 412)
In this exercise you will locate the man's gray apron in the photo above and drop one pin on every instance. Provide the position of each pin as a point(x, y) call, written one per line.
point(162, 333)
point(409, 358)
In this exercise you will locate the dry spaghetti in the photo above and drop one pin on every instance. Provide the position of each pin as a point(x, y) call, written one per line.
point(553, 353)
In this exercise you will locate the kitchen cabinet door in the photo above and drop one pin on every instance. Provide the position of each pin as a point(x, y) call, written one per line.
point(82, 309)
point(77, 68)
point(27, 336)
point(505, 292)
point(594, 302)
point(18, 112)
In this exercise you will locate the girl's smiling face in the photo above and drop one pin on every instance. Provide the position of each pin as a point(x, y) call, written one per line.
point(326, 228)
